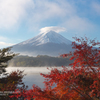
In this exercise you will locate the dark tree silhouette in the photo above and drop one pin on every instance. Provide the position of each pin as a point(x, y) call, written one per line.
point(5, 56)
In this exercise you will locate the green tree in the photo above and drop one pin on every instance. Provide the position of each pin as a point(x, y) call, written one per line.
point(11, 81)
point(5, 56)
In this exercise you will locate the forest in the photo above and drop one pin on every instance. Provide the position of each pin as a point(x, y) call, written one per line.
point(40, 60)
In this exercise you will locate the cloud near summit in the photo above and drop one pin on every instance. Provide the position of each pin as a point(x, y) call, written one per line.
point(38, 13)
point(52, 28)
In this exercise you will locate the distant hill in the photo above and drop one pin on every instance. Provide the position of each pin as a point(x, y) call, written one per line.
point(51, 44)
point(40, 60)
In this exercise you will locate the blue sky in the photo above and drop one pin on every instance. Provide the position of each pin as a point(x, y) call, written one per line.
point(23, 19)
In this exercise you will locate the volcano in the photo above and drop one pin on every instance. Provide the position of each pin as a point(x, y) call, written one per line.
point(50, 43)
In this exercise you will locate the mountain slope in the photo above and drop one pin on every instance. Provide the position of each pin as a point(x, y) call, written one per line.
point(44, 38)
point(51, 43)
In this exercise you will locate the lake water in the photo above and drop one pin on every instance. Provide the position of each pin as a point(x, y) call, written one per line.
point(32, 74)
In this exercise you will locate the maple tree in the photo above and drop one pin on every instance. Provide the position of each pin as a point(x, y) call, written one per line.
point(11, 81)
point(81, 82)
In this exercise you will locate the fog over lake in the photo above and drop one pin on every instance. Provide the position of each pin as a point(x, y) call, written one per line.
point(32, 74)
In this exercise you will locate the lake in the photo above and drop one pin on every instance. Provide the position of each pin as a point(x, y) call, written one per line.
point(32, 74)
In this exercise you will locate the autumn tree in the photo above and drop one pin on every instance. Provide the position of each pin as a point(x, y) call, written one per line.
point(81, 82)
point(9, 81)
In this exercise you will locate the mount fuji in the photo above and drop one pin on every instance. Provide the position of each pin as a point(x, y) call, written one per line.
point(50, 43)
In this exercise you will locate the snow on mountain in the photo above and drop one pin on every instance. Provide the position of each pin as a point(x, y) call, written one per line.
point(44, 38)
point(50, 43)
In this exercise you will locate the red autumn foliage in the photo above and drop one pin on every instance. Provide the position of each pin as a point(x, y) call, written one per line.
point(11, 81)
point(82, 82)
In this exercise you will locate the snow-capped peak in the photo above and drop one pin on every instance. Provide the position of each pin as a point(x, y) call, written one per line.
point(44, 38)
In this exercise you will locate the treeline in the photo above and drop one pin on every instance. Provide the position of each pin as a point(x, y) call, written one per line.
point(39, 61)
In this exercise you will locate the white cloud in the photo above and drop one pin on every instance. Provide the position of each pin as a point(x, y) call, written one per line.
point(52, 28)
point(78, 24)
point(96, 7)
point(4, 44)
point(3, 38)
point(46, 10)
point(66, 13)
point(13, 11)
point(37, 12)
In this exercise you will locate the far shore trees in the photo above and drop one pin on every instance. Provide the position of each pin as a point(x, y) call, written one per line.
point(82, 82)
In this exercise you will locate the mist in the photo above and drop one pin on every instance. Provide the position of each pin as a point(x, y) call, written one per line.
point(32, 70)
point(33, 74)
